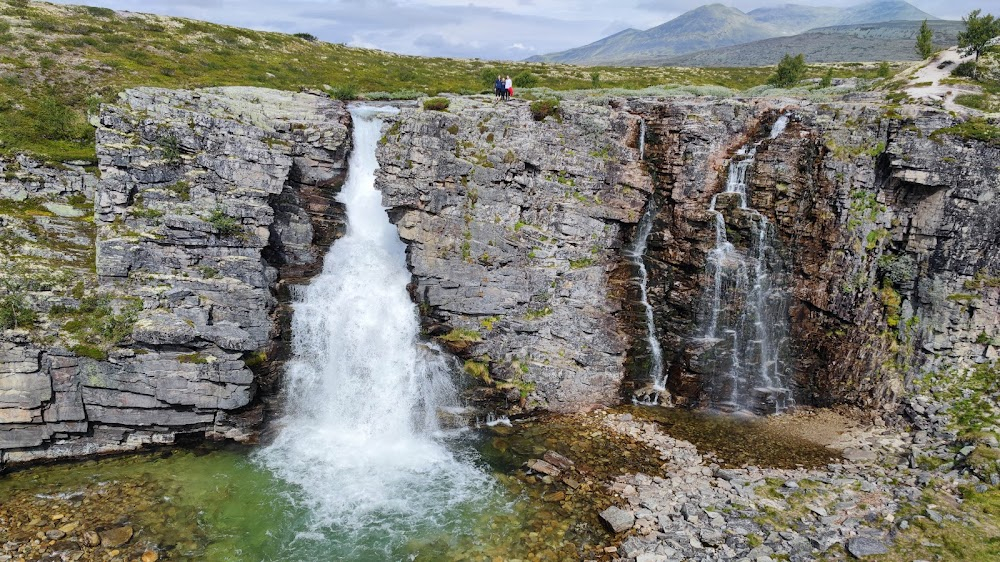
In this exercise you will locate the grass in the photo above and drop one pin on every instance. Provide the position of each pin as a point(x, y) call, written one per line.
point(59, 63)
point(974, 129)
point(98, 323)
point(974, 535)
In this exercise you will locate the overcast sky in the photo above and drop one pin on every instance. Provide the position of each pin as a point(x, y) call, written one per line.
point(491, 29)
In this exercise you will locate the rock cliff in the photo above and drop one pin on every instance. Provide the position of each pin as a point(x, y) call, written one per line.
point(884, 219)
point(208, 203)
point(151, 303)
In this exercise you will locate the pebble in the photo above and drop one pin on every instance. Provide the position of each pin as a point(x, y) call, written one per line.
point(116, 537)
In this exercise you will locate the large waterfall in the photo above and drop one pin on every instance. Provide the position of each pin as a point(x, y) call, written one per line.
point(744, 320)
point(360, 439)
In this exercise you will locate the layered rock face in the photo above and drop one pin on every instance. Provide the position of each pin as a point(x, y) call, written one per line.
point(883, 224)
point(885, 227)
point(211, 203)
point(515, 229)
point(208, 202)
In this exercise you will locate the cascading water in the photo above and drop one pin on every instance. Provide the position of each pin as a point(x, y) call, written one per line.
point(745, 317)
point(637, 253)
point(360, 437)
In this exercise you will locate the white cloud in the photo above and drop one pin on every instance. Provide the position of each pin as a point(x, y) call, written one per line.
point(459, 28)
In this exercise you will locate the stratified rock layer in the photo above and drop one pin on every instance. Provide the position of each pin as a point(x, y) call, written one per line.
point(211, 203)
point(885, 225)
point(206, 200)
point(515, 229)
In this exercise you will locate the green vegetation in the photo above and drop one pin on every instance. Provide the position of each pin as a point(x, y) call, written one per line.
point(536, 313)
point(827, 79)
point(544, 108)
point(436, 104)
point(789, 72)
point(225, 225)
point(976, 129)
point(479, 370)
point(925, 41)
point(93, 54)
point(982, 102)
point(98, 323)
point(581, 263)
point(979, 30)
point(462, 335)
point(193, 358)
point(15, 312)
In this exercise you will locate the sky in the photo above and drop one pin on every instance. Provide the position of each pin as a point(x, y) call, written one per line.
point(487, 29)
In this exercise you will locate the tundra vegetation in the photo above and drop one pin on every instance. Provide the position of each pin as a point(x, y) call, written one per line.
point(59, 63)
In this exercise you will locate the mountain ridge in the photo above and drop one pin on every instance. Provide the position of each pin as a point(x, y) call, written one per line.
point(714, 26)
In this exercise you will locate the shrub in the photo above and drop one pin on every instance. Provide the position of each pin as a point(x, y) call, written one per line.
point(345, 92)
point(525, 80)
point(436, 104)
point(884, 70)
point(170, 149)
point(306, 36)
point(15, 312)
point(100, 12)
point(56, 120)
point(789, 71)
point(966, 69)
point(224, 224)
point(543, 108)
point(827, 79)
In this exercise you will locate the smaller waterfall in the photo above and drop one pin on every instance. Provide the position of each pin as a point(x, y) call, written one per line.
point(642, 139)
point(637, 253)
point(745, 317)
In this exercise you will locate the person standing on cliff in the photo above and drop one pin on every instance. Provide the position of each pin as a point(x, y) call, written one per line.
point(509, 87)
point(498, 87)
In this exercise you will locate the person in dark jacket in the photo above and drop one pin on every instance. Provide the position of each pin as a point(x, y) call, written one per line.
point(498, 87)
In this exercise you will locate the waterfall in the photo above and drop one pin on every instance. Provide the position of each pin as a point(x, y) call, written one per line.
point(745, 318)
point(642, 139)
point(360, 438)
point(637, 253)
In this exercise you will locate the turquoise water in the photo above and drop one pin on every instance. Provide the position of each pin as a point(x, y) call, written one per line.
point(218, 505)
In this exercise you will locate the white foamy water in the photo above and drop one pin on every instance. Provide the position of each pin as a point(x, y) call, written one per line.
point(360, 436)
point(747, 311)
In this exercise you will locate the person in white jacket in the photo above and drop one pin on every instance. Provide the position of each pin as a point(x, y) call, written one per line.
point(509, 84)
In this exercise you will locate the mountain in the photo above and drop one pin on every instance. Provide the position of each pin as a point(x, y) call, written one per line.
point(715, 26)
point(795, 18)
point(706, 27)
point(891, 41)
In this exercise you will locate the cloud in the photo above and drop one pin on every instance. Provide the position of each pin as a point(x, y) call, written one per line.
point(459, 28)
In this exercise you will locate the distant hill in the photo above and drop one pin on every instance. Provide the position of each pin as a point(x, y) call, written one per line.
point(892, 41)
point(706, 27)
point(795, 18)
point(717, 26)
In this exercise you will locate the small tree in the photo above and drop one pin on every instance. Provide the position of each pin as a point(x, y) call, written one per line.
point(595, 79)
point(925, 37)
point(790, 70)
point(978, 32)
point(884, 70)
point(827, 79)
